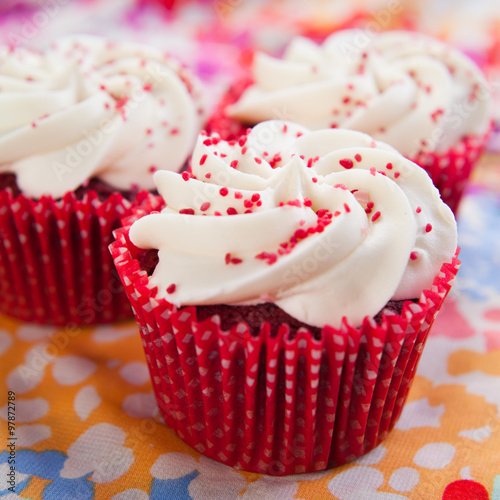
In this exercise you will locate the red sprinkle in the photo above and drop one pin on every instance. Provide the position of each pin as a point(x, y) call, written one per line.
point(396, 175)
point(203, 159)
point(205, 206)
point(373, 170)
point(187, 211)
point(347, 209)
point(171, 288)
point(147, 87)
point(418, 210)
point(186, 176)
point(231, 211)
point(357, 157)
point(414, 255)
point(376, 216)
point(255, 197)
point(223, 191)
point(314, 179)
point(258, 160)
point(234, 163)
point(238, 195)
point(307, 202)
point(346, 163)
point(428, 228)
point(248, 204)
point(244, 150)
point(270, 257)
point(207, 176)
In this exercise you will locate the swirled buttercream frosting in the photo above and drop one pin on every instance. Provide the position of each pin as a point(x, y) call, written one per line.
point(326, 224)
point(407, 89)
point(90, 107)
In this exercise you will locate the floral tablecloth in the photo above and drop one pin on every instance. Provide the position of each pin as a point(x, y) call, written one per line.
point(86, 422)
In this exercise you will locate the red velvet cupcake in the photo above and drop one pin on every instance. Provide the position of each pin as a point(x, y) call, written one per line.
point(285, 292)
point(84, 125)
point(419, 95)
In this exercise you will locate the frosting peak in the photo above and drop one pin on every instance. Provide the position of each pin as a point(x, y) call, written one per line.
point(409, 90)
point(90, 107)
point(326, 224)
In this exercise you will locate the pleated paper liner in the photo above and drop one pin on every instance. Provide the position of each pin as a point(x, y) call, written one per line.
point(275, 404)
point(55, 266)
point(449, 171)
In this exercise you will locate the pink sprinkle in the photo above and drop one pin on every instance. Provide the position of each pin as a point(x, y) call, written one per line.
point(174, 131)
point(346, 100)
point(373, 170)
point(341, 186)
point(171, 288)
point(375, 216)
point(314, 179)
point(299, 134)
point(147, 87)
point(217, 213)
point(347, 209)
point(346, 163)
point(223, 191)
point(285, 128)
point(33, 124)
point(414, 255)
point(205, 206)
point(238, 195)
point(149, 131)
point(244, 150)
point(396, 175)
point(207, 176)
point(309, 163)
point(187, 211)
point(357, 157)
point(152, 169)
point(258, 160)
point(428, 228)
point(203, 159)
point(419, 209)
point(294, 203)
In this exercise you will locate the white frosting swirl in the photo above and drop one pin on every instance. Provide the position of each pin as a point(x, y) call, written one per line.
point(337, 228)
point(409, 90)
point(89, 107)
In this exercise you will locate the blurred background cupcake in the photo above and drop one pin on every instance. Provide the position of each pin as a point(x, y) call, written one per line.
point(418, 94)
point(84, 125)
point(293, 276)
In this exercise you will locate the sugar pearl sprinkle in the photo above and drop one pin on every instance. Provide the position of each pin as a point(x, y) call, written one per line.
point(283, 205)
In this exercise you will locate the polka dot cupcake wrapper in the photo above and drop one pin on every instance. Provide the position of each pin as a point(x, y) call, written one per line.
point(55, 266)
point(449, 171)
point(275, 404)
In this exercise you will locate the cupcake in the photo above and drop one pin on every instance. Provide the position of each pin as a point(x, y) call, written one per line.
point(423, 97)
point(84, 126)
point(284, 290)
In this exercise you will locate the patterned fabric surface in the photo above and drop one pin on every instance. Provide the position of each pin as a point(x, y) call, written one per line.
point(86, 422)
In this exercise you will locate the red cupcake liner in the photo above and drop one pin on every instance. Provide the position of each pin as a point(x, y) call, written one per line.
point(55, 266)
point(275, 404)
point(449, 171)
